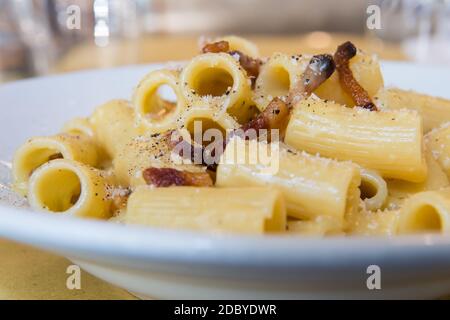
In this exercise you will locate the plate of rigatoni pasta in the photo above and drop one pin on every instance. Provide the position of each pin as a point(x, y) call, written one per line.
point(233, 175)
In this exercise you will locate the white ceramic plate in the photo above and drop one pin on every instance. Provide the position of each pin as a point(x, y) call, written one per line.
point(167, 264)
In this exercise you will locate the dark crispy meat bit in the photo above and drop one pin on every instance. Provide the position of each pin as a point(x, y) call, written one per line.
point(55, 156)
point(275, 116)
point(277, 113)
point(343, 54)
point(198, 179)
point(249, 64)
point(167, 177)
point(258, 123)
point(319, 69)
point(216, 47)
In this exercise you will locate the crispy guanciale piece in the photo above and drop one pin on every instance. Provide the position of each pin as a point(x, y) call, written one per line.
point(249, 64)
point(55, 156)
point(216, 47)
point(275, 116)
point(168, 177)
point(319, 69)
point(343, 54)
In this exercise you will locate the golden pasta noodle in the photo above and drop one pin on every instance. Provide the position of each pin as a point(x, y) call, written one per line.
point(399, 190)
point(79, 126)
point(82, 126)
point(321, 226)
point(427, 211)
point(366, 70)
point(374, 191)
point(434, 111)
point(154, 112)
point(237, 210)
point(218, 80)
point(114, 125)
point(312, 186)
point(370, 223)
point(70, 188)
point(144, 151)
point(39, 150)
point(278, 76)
point(199, 118)
point(389, 142)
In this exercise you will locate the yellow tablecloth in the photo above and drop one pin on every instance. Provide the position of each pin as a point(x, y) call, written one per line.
point(27, 273)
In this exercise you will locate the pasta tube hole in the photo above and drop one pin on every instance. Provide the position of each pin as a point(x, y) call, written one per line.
point(368, 189)
point(212, 81)
point(58, 190)
point(277, 82)
point(373, 189)
point(160, 102)
point(424, 218)
point(199, 125)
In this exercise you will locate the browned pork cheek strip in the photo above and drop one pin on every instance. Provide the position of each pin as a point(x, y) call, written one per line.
point(319, 69)
point(249, 64)
point(343, 54)
point(216, 47)
point(276, 114)
point(168, 177)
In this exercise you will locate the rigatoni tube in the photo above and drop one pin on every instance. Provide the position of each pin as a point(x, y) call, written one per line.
point(372, 223)
point(389, 142)
point(434, 111)
point(154, 112)
point(217, 80)
point(426, 212)
point(278, 76)
point(114, 125)
point(373, 188)
point(239, 210)
point(399, 190)
point(70, 188)
point(39, 150)
point(312, 186)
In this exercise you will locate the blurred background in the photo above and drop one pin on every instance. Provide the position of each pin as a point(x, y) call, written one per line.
point(39, 37)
